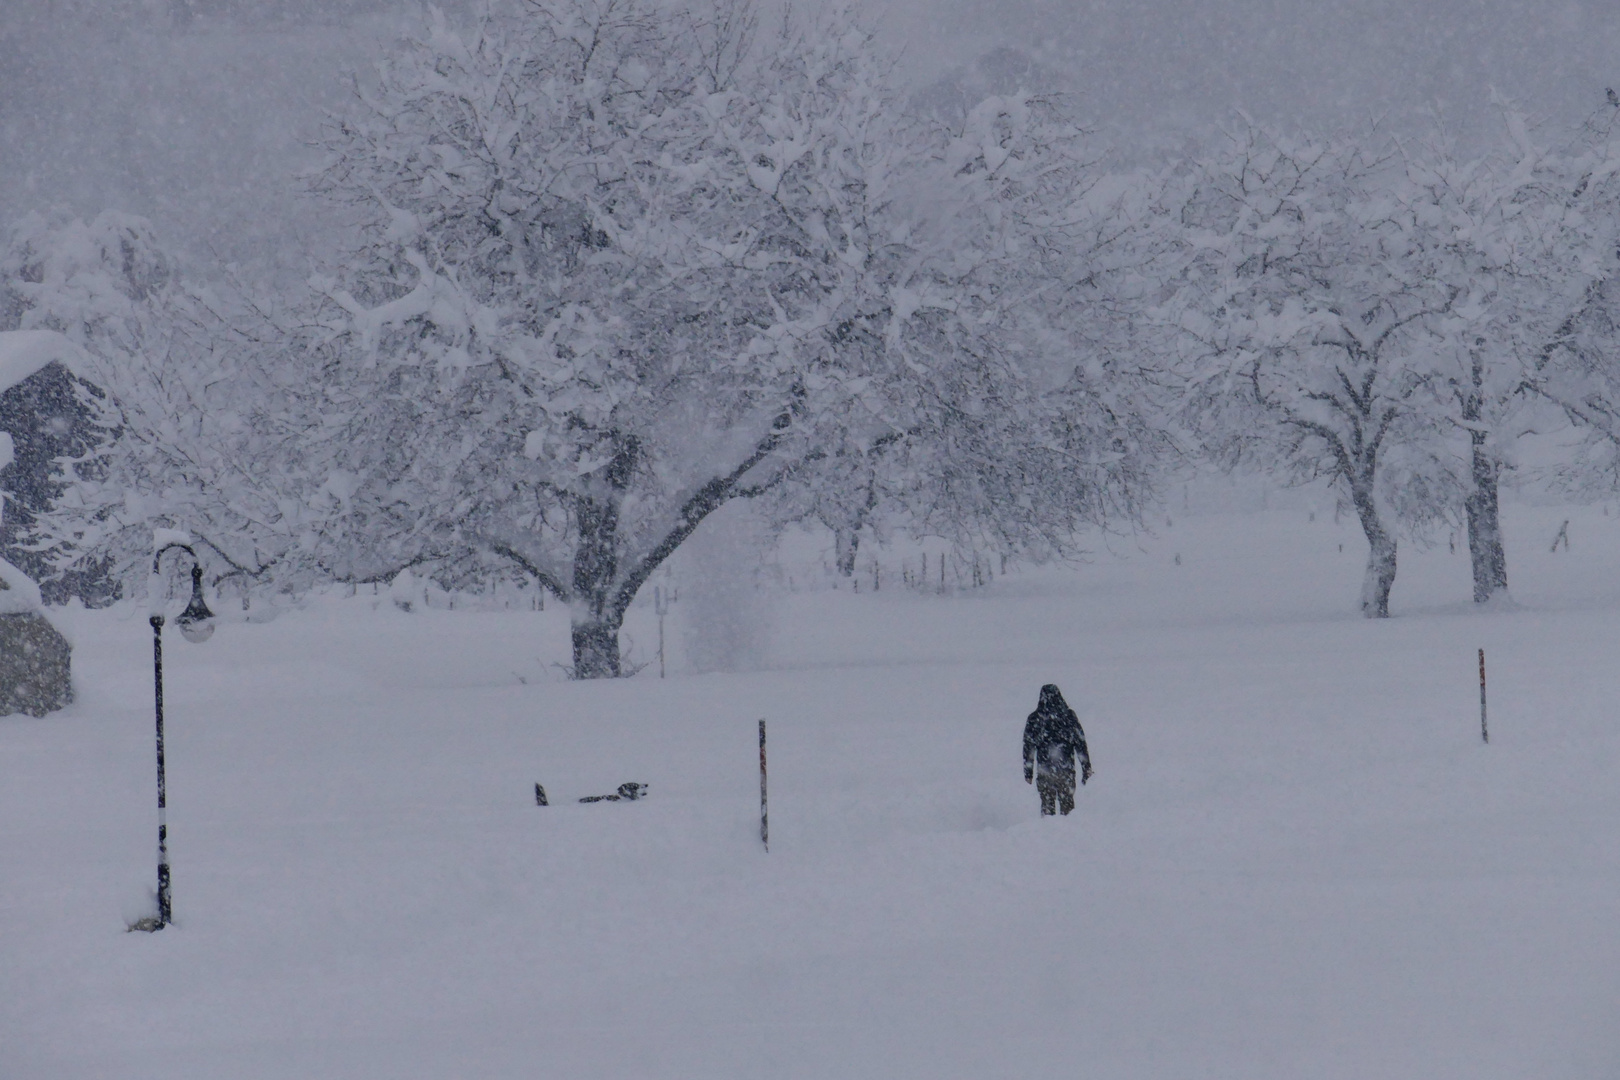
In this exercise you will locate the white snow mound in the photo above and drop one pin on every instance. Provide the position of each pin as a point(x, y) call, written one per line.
point(23, 352)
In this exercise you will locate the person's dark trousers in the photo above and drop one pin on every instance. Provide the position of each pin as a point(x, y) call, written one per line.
point(1057, 791)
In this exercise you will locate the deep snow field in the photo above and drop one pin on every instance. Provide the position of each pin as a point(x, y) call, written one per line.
point(1296, 859)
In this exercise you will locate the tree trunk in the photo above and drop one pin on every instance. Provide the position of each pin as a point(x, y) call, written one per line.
point(1485, 526)
point(1380, 576)
point(596, 650)
point(600, 596)
point(596, 624)
point(846, 542)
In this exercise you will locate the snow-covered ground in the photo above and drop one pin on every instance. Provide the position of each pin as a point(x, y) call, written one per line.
point(1296, 858)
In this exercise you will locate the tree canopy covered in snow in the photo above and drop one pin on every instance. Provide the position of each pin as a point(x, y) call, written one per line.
point(622, 265)
point(610, 264)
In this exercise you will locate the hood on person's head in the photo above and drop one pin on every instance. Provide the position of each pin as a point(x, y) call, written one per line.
point(1051, 699)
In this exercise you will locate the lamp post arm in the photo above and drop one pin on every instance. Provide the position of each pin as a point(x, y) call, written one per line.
point(160, 552)
point(154, 586)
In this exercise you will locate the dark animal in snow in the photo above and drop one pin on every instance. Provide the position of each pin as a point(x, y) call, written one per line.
point(627, 793)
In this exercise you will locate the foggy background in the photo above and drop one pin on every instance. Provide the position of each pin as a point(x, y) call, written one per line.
point(196, 113)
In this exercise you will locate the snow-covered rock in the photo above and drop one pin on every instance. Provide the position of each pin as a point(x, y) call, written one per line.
point(36, 675)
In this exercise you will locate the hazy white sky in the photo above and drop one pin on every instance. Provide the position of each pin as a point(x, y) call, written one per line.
point(198, 123)
point(1331, 61)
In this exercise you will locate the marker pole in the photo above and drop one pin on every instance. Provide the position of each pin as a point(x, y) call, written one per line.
point(764, 812)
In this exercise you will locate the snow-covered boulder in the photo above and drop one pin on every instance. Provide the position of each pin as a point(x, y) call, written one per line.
point(36, 661)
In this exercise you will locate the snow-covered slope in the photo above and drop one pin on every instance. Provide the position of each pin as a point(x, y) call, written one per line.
point(1296, 858)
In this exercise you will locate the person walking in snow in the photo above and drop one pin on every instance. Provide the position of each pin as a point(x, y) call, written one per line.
point(1053, 740)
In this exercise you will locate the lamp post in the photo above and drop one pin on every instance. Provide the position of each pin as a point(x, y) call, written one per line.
point(196, 625)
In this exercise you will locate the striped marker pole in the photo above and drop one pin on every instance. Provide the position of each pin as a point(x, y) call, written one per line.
point(165, 909)
point(764, 812)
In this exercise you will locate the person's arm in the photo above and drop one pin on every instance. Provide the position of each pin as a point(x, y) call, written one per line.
point(1083, 754)
point(1029, 752)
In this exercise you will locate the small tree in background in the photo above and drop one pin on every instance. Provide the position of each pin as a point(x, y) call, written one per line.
point(1573, 367)
point(1026, 416)
point(1485, 228)
point(1309, 314)
point(205, 418)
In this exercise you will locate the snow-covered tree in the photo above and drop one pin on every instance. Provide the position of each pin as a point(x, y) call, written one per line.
point(200, 395)
point(566, 338)
point(831, 162)
point(1308, 313)
point(1023, 415)
point(1045, 257)
point(1486, 229)
point(1575, 365)
point(625, 263)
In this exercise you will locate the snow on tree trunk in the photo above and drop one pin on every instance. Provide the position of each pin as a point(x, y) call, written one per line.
point(1380, 575)
point(1485, 526)
point(846, 542)
point(1482, 399)
point(1379, 578)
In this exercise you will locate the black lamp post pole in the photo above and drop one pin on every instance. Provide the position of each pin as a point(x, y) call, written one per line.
point(165, 907)
point(196, 624)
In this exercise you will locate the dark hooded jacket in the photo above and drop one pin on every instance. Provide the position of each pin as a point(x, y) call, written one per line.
point(1053, 738)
